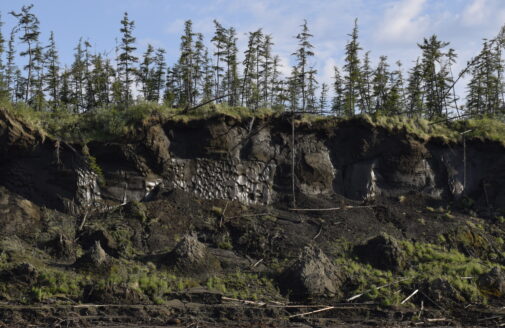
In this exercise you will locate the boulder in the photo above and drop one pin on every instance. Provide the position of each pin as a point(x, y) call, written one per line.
point(94, 258)
point(492, 283)
point(89, 237)
point(312, 275)
point(382, 252)
point(24, 272)
point(191, 256)
point(62, 247)
point(440, 291)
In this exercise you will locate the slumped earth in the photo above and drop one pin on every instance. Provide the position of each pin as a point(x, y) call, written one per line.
point(191, 224)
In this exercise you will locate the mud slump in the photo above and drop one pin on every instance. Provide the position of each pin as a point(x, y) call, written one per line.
point(189, 224)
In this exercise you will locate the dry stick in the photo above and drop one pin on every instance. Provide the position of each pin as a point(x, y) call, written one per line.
point(81, 226)
point(243, 301)
point(319, 232)
point(247, 215)
point(380, 287)
point(312, 312)
point(222, 214)
point(255, 264)
point(293, 158)
point(422, 308)
point(410, 296)
point(331, 208)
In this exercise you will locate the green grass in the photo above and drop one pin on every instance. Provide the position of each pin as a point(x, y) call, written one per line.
point(427, 263)
point(115, 123)
point(247, 286)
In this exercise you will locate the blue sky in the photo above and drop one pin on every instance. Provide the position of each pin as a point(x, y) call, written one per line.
point(387, 27)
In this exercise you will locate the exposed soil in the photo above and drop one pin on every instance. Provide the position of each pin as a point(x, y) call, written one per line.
point(157, 245)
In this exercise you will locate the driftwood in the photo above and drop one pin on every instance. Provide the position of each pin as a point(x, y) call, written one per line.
point(329, 209)
point(410, 296)
point(380, 287)
point(222, 214)
point(312, 312)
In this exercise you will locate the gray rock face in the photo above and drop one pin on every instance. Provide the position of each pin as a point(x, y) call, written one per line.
point(313, 275)
point(382, 252)
point(317, 173)
point(492, 282)
point(249, 182)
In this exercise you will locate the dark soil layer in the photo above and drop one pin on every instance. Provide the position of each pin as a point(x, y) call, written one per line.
point(115, 235)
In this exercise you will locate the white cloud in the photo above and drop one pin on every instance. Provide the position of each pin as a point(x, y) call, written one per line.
point(476, 13)
point(403, 22)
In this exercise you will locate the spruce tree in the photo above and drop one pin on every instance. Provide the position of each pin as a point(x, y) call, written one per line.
point(485, 86)
point(353, 74)
point(266, 69)
point(145, 71)
point(28, 23)
point(394, 104)
point(435, 81)
point(126, 59)
point(414, 91)
point(276, 84)
point(4, 89)
point(159, 75)
point(303, 53)
point(10, 68)
point(338, 101)
point(219, 41)
point(250, 91)
point(198, 66)
point(323, 98)
point(293, 89)
point(52, 76)
point(208, 78)
point(381, 85)
point(232, 79)
point(79, 78)
point(38, 98)
point(186, 65)
point(100, 76)
point(65, 95)
point(312, 104)
point(365, 85)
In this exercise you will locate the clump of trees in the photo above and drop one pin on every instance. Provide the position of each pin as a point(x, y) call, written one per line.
point(220, 73)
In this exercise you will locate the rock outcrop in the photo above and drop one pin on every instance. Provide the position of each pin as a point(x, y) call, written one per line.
point(382, 252)
point(312, 275)
point(95, 258)
point(192, 257)
point(493, 282)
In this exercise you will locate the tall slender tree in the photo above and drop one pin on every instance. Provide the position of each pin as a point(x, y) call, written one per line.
point(338, 101)
point(4, 89)
point(434, 81)
point(219, 41)
point(10, 68)
point(52, 77)
point(352, 69)
point(302, 54)
point(126, 59)
point(145, 71)
point(28, 23)
point(323, 98)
